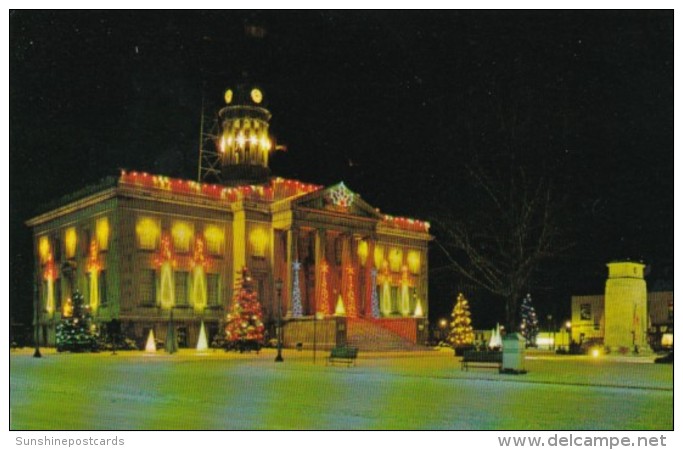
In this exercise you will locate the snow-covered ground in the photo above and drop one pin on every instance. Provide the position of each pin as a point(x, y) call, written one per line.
point(424, 390)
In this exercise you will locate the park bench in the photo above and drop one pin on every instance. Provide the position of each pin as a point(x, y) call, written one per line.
point(473, 358)
point(346, 355)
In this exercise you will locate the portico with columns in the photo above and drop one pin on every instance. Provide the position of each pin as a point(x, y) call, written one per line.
point(349, 255)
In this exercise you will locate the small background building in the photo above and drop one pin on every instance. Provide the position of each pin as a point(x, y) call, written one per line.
point(625, 317)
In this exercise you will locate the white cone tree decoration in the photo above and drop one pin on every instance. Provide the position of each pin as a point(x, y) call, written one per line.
point(202, 344)
point(340, 311)
point(151, 345)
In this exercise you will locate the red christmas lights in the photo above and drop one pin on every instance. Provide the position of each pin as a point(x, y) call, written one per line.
point(93, 264)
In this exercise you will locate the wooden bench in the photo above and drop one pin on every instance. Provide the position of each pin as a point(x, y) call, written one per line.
point(346, 355)
point(473, 358)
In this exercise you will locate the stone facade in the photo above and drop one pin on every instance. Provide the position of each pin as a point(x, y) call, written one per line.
point(141, 245)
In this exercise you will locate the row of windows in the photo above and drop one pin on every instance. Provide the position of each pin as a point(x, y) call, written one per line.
point(393, 302)
point(74, 240)
point(393, 258)
point(148, 231)
point(150, 288)
point(56, 302)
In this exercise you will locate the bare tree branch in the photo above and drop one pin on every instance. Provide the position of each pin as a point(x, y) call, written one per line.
point(500, 244)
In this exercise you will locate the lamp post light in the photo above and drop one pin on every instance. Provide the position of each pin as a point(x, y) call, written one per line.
point(568, 326)
point(36, 325)
point(315, 344)
point(171, 338)
point(278, 288)
point(442, 325)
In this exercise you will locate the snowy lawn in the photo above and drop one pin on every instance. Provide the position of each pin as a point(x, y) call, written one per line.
point(424, 390)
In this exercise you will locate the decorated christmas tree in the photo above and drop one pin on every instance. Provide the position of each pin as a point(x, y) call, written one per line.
point(76, 332)
point(244, 324)
point(529, 325)
point(462, 334)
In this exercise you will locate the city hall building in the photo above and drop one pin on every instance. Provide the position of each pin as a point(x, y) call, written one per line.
point(150, 250)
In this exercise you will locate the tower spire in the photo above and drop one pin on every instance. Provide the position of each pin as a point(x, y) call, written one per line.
point(243, 141)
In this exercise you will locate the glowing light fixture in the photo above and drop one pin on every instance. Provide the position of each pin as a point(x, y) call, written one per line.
point(70, 240)
point(405, 292)
point(258, 240)
point(214, 239)
point(167, 286)
point(385, 300)
point(363, 252)
point(93, 267)
point(379, 256)
point(148, 232)
point(395, 259)
point(102, 232)
point(256, 95)
point(49, 274)
point(43, 248)
point(265, 143)
point(182, 235)
point(198, 295)
point(413, 260)
point(68, 308)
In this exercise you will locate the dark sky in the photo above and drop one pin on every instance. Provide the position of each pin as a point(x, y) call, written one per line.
point(393, 103)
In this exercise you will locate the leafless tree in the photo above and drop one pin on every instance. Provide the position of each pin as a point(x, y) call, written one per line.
point(512, 225)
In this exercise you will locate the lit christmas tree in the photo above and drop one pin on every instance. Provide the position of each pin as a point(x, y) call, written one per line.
point(244, 326)
point(529, 325)
point(76, 332)
point(461, 334)
point(297, 310)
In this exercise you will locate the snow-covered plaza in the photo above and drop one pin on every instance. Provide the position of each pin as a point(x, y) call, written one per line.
point(417, 390)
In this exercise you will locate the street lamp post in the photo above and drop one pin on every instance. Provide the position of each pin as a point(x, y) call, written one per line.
point(568, 326)
point(36, 332)
point(278, 288)
point(171, 339)
point(551, 346)
point(315, 344)
point(442, 325)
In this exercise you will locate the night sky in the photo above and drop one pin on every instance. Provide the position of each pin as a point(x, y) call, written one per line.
point(395, 104)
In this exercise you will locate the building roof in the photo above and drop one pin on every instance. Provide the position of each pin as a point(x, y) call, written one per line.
point(276, 189)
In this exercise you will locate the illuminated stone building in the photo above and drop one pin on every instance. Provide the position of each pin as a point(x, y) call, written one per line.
point(626, 317)
point(141, 247)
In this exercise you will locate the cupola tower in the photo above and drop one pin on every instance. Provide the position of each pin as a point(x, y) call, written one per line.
point(243, 142)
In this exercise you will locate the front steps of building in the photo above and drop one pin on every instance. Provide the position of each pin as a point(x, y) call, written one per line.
point(369, 336)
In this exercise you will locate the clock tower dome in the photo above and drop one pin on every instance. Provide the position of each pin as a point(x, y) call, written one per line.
point(243, 142)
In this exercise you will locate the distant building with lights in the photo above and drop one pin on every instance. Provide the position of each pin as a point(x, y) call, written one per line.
point(143, 248)
point(626, 317)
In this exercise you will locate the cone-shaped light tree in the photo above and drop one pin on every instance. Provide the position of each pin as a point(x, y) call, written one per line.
point(529, 323)
point(461, 334)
